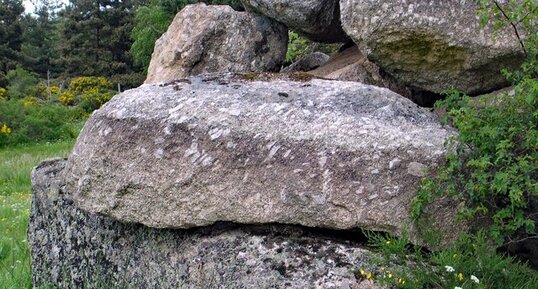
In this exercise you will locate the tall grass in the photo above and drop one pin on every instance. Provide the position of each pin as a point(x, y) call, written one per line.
point(15, 193)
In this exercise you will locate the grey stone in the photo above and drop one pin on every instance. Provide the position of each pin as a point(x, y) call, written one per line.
point(221, 148)
point(206, 38)
point(309, 62)
point(350, 64)
point(318, 20)
point(71, 248)
point(432, 45)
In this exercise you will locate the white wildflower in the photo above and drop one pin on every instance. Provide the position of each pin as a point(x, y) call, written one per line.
point(449, 269)
point(475, 279)
point(457, 287)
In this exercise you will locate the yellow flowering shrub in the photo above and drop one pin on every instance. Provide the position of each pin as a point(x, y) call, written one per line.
point(5, 130)
point(30, 101)
point(54, 90)
point(3, 93)
point(67, 98)
point(85, 83)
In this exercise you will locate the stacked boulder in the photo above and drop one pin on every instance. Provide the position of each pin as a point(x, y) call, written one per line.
point(251, 179)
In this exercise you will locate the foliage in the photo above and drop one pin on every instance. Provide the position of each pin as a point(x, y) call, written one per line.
point(22, 83)
point(299, 47)
point(10, 36)
point(27, 122)
point(470, 263)
point(89, 93)
point(493, 166)
point(3, 93)
point(151, 22)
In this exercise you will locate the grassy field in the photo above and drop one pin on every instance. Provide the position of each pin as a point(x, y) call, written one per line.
point(15, 193)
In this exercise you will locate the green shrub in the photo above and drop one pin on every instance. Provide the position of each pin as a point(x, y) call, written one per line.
point(299, 46)
point(22, 83)
point(22, 123)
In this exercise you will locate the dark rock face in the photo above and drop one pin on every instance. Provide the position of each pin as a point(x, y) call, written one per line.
point(217, 148)
point(432, 45)
point(318, 20)
point(71, 248)
point(216, 38)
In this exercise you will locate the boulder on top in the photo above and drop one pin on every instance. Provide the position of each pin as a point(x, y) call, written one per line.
point(318, 20)
point(206, 38)
point(432, 45)
point(212, 148)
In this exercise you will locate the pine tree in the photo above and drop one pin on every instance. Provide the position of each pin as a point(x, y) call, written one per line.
point(10, 36)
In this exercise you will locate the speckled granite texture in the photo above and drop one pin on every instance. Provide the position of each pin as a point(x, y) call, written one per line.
point(74, 249)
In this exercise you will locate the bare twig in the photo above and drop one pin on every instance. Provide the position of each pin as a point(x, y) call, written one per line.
point(521, 240)
point(513, 26)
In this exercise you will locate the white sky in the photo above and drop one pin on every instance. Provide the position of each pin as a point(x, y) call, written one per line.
point(29, 8)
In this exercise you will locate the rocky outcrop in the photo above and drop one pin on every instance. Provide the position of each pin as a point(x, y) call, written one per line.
point(71, 248)
point(214, 148)
point(318, 20)
point(432, 45)
point(309, 62)
point(217, 39)
point(350, 64)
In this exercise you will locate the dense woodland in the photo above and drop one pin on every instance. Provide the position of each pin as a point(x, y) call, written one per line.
point(112, 39)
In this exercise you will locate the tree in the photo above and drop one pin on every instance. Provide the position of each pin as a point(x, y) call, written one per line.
point(40, 39)
point(10, 36)
point(97, 37)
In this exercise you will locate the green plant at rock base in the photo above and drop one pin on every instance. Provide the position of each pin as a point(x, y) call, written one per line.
point(470, 263)
point(492, 167)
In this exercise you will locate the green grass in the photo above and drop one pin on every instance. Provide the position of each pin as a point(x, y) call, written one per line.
point(15, 193)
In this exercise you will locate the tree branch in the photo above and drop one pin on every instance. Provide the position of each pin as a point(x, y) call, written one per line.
point(513, 26)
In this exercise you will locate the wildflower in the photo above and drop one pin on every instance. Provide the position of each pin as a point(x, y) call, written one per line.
point(390, 275)
point(382, 268)
point(449, 269)
point(457, 287)
point(363, 273)
point(5, 129)
point(460, 276)
point(388, 242)
point(369, 276)
point(475, 279)
point(401, 281)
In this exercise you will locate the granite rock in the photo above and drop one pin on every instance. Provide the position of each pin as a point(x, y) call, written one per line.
point(71, 248)
point(308, 62)
point(224, 147)
point(432, 45)
point(216, 38)
point(318, 20)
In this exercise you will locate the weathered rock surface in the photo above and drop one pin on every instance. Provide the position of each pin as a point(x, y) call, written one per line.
point(71, 248)
point(213, 148)
point(432, 45)
point(351, 65)
point(206, 38)
point(309, 62)
point(318, 20)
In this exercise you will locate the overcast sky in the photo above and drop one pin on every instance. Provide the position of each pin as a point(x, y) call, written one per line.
point(28, 7)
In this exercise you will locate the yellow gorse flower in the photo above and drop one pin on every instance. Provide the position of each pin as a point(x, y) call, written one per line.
point(460, 276)
point(5, 129)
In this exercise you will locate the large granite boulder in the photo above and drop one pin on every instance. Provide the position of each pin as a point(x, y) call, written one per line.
point(432, 45)
point(206, 38)
point(318, 20)
point(71, 248)
point(225, 147)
